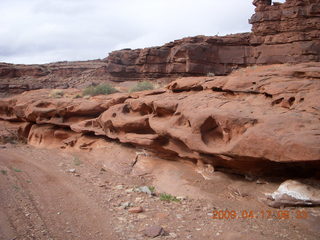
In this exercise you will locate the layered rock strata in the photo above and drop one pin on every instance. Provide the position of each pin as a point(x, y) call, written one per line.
point(17, 78)
point(281, 33)
point(256, 120)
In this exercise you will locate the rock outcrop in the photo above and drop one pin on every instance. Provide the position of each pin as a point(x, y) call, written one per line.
point(192, 56)
point(256, 120)
point(281, 33)
point(287, 32)
point(17, 78)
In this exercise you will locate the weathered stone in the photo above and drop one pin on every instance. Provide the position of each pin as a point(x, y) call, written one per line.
point(154, 231)
point(294, 193)
point(135, 210)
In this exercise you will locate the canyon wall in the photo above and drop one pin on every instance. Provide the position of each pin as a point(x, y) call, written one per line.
point(286, 33)
point(281, 33)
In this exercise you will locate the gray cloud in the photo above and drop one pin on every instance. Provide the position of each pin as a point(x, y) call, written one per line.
point(39, 31)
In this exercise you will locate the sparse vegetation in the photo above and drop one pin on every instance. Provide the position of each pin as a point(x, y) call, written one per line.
point(168, 198)
point(152, 189)
point(142, 86)
point(16, 170)
point(210, 74)
point(56, 93)
point(77, 96)
point(101, 89)
point(8, 139)
point(12, 137)
point(77, 161)
point(4, 172)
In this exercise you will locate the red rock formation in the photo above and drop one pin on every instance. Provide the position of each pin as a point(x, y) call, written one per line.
point(287, 32)
point(186, 57)
point(18, 78)
point(250, 120)
point(281, 33)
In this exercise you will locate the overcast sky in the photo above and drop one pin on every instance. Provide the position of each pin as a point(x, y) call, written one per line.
point(41, 31)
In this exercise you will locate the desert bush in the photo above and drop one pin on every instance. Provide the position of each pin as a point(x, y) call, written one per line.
point(12, 137)
point(142, 86)
point(77, 161)
point(56, 93)
point(77, 96)
point(152, 189)
point(168, 198)
point(101, 89)
point(16, 169)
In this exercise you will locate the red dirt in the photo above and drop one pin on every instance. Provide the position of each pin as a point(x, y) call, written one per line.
point(40, 199)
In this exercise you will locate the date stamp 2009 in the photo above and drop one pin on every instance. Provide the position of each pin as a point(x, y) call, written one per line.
point(261, 214)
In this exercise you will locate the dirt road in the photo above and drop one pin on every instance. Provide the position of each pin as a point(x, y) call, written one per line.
point(39, 201)
point(50, 194)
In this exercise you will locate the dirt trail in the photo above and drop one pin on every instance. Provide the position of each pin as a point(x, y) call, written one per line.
point(40, 198)
point(40, 202)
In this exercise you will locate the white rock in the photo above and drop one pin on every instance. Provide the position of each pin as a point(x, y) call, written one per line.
point(173, 235)
point(292, 192)
point(118, 187)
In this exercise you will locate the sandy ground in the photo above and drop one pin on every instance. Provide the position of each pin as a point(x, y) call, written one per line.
point(53, 194)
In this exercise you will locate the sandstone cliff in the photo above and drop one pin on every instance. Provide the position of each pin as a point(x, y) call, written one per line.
point(281, 33)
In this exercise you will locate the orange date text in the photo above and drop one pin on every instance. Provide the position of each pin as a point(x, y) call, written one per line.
point(261, 214)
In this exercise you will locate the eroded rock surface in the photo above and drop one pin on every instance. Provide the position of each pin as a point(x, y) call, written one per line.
point(257, 119)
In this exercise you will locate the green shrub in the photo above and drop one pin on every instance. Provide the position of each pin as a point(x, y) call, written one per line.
point(152, 189)
point(210, 74)
point(77, 161)
point(168, 198)
point(101, 89)
point(12, 137)
point(142, 86)
point(77, 96)
point(56, 93)
point(16, 169)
